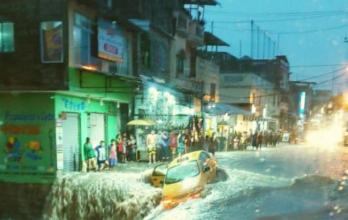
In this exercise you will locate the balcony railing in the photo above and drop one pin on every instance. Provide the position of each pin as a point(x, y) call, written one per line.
point(182, 23)
point(189, 84)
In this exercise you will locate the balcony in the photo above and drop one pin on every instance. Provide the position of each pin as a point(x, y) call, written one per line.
point(196, 33)
point(182, 23)
point(187, 84)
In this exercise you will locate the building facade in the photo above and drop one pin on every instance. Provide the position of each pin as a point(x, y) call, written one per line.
point(78, 69)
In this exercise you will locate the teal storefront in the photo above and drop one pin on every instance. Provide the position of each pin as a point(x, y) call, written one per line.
point(78, 118)
point(27, 137)
point(42, 133)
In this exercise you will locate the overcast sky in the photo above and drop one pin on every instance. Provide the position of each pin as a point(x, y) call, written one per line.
point(310, 32)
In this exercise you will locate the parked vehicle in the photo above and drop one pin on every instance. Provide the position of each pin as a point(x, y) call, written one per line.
point(187, 176)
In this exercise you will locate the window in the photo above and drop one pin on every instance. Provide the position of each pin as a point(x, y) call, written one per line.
point(51, 35)
point(82, 36)
point(212, 92)
point(145, 46)
point(180, 66)
point(6, 37)
point(182, 171)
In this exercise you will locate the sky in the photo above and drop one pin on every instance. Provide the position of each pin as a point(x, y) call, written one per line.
point(309, 32)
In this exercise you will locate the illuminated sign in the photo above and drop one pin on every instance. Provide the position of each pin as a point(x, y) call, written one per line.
point(302, 104)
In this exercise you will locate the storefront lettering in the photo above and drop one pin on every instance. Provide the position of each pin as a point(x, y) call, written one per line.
point(73, 105)
point(20, 129)
point(16, 167)
point(14, 117)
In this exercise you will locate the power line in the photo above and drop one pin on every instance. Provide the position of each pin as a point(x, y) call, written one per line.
point(332, 79)
point(323, 74)
point(296, 13)
point(316, 65)
point(314, 30)
point(280, 19)
point(291, 32)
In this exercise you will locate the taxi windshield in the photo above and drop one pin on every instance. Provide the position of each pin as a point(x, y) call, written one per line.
point(182, 171)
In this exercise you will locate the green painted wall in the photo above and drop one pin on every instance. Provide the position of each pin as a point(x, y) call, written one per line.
point(101, 86)
point(27, 138)
point(66, 103)
point(113, 128)
point(28, 123)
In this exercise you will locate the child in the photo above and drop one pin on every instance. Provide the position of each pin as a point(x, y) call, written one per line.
point(101, 155)
point(112, 154)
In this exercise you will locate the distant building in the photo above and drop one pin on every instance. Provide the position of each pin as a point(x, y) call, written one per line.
point(259, 86)
point(301, 100)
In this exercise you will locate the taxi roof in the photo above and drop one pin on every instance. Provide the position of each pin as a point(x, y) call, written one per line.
point(186, 157)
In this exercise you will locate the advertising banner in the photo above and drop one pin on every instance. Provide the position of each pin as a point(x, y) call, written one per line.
point(52, 42)
point(110, 41)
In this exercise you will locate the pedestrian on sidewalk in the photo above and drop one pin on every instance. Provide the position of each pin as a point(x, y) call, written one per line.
point(124, 148)
point(181, 143)
point(101, 155)
point(151, 146)
point(131, 148)
point(173, 143)
point(159, 152)
point(212, 144)
point(254, 140)
point(165, 146)
point(206, 143)
point(259, 140)
point(90, 157)
point(188, 141)
point(119, 145)
point(112, 154)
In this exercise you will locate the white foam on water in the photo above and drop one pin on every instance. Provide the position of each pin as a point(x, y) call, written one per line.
point(106, 195)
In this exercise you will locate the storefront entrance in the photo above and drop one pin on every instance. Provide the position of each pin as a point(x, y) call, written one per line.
point(96, 128)
point(70, 141)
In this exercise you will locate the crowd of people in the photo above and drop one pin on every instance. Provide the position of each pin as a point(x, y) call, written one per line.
point(120, 150)
point(165, 145)
point(243, 140)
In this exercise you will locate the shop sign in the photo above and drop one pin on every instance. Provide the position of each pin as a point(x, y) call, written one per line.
point(24, 117)
point(71, 105)
point(59, 142)
point(110, 41)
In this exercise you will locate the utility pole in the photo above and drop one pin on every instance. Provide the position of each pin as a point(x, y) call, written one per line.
point(269, 47)
point(240, 48)
point(258, 42)
point(212, 31)
point(264, 45)
point(278, 43)
point(252, 39)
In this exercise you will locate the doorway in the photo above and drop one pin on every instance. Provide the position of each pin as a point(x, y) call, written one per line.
point(96, 128)
point(71, 143)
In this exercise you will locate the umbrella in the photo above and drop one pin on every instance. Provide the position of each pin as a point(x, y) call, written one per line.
point(141, 122)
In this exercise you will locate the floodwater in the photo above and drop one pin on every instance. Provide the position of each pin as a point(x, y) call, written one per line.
point(288, 182)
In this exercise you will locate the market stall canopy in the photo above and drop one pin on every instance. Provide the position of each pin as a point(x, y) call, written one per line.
point(221, 109)
point(141, 122)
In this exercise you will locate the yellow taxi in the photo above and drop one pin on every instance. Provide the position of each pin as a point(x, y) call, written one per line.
point(186, 177)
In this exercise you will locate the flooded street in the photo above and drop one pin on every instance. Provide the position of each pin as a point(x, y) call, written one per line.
point(121, 194)
point(288, 182)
